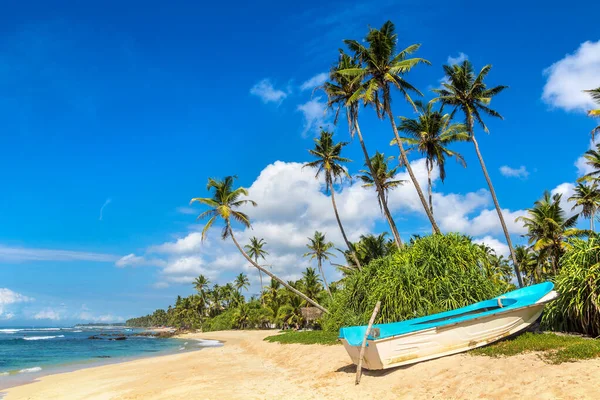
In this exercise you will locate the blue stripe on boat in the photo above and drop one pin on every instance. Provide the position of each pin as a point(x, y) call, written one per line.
point(516, 299)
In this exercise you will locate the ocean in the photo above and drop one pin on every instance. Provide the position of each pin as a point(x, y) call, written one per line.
point(27, 353)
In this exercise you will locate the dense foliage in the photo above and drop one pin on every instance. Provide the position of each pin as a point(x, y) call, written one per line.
point(432, 274)
point(577, 309)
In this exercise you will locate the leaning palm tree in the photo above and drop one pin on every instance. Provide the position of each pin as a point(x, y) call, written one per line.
point(383, 69)
point(430, 133)
point(223, 204)
point(467, 92)
point(241, 282)
point(548, 228)
point(588, 198)
point(380, 174)
point(340, 92)
point(595, 93)
point(319, 250)
point(329, 162)
point(255, 250)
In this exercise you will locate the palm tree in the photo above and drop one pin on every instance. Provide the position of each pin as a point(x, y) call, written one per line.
point(430, 133)
point(311, 283)
point(383, 69)
point(223, 204)
point(528, 263)
point(548, 228)
point(241, 282)
point(255, 250)
point(595, 93)
point(201, 285)
point(340, 92)
point(588, 198)
point(329, 161)
point(319, 250)
point(592, 158)
point(469, 94)
point(379, 174)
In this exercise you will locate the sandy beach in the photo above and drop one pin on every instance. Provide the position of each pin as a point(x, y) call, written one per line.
point(249, 368)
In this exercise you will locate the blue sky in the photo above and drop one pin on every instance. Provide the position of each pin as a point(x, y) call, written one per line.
point(123, 110)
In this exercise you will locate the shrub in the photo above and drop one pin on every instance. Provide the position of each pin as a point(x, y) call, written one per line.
point(577, 309)
point(433, 274)
point(221, 322)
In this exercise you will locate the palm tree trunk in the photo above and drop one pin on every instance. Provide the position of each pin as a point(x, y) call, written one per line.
point(592, 221)
point(497, 205)
point(269, 273)
point(324, 280)
point(337, 217)
point(380, 191)
point(404, 159)
point(262, 301)
point(429, 190)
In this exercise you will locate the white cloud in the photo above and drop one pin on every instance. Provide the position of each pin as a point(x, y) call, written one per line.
point(567, 190)
point(48, 314)
point(581, 163)
point(267, 92)
point(186, 210)
point(188, 244)
point(509, 172)
point(315, 81)
point(568, 77)
point(9, 297)
point(501, 248)
point(458, 59)
point(106, 318)
point(292, 205)
point(18, 254)
point(131, 260)
point(315, 115)
point(107, 202)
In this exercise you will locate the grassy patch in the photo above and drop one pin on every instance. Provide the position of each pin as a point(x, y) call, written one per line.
point(554, 349)
point(305, 337)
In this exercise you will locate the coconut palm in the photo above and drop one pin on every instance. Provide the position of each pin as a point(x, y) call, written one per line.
point(430, 134)
point(241, 282)
point(329, 162)
point(379, 174)
point(311, 283)
point(467, 92)
point(319, 250)
point(548, 228)
point(383, 69)
point(587, 197)
point(595, 93)
point(528, 263)
point(340, 92)
point(255, 250)
point(592, 158)
point(223, 204)
point(201, 284)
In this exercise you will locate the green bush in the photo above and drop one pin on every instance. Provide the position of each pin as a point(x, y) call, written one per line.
point(433, 274)
point(577, 309)
point(222, 322)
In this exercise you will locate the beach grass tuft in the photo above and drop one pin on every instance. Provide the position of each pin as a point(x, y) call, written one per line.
point(553, 349)
point(305, 337)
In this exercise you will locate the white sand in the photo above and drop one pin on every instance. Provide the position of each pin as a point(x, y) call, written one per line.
point(249, 368)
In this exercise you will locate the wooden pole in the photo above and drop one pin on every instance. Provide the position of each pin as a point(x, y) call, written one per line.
point(364, 342)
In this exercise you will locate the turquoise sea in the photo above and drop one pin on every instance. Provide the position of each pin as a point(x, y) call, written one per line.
point(27, 353)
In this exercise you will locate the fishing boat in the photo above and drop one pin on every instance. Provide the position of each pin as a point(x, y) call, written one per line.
point(420, 339)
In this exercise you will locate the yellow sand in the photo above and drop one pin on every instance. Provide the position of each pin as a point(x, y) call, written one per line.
point(249, 368)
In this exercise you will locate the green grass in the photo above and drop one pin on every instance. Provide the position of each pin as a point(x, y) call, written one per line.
point(553, 349)
point(305, 337)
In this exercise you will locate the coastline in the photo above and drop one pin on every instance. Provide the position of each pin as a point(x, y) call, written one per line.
point(250, 368)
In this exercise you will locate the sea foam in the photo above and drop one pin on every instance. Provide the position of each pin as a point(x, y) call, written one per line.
point(42, 337)
point(209, 343)
point(34, 369)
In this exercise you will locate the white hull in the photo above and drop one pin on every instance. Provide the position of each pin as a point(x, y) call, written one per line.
point(442, 341)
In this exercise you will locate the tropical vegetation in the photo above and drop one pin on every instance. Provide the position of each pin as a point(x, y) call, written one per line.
point(425, 275)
